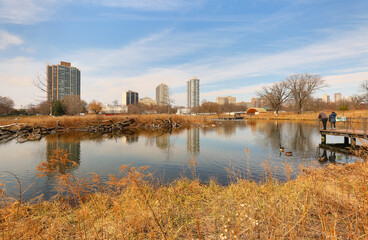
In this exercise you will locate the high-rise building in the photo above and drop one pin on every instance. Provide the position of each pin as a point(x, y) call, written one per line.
point(225, 100)
point(62, 80)
point(337, 97)
point(129, 97)
point(162, 94)
point(193, 92)
point(326, 98)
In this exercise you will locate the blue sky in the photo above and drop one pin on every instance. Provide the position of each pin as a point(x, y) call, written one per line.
point(234, 47)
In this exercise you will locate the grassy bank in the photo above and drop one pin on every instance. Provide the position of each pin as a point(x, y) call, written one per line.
point(323, 203)
point(80, 121)
point(77, 121)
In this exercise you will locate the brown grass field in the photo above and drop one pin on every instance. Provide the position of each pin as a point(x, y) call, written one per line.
point(322, 203)
point(78, 121)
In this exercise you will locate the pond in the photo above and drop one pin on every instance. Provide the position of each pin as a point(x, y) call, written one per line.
point(242, 147)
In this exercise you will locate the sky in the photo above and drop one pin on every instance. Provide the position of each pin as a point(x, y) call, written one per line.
point(233, 46)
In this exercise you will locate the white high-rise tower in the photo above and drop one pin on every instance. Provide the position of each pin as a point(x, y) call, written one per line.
point(193, 92)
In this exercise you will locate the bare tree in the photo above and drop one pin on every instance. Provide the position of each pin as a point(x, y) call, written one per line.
point(170, 100)
point(73, 105)
point(275, 95)
point(356, 102)
point(115, 102)
point(40, 82)
point(6, 105)
point(95, 106)
point(44, 107)
point(302, 86)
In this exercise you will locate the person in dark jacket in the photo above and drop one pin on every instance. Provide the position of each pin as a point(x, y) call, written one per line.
point(323, 117)
point(332, 120)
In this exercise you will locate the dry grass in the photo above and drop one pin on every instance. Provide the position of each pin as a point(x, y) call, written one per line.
point(78, 121)
point(328, 203)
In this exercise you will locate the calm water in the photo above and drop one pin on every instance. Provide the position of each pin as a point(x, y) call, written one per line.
point(241, 146)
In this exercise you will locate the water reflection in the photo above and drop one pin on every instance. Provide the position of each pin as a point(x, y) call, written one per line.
point(193, 141)
point(226, 130)
point(163, 141)
point(214, 148)
point(69, 144)
point(129, 139)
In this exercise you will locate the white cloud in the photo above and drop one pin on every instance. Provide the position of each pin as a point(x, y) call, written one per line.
point(7, 39)
point(152, 5)
point(147, 62)
point(26, 11)
point(16, 79)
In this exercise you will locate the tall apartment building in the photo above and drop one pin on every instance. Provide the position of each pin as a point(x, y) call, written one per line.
point(129, 97)
point(337, 97)
point(162, 94)
point(62, 80)
point(225, 100)
point(326, 98)
point(193, 92)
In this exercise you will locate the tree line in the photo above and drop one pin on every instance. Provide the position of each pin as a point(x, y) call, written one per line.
point(296, 93)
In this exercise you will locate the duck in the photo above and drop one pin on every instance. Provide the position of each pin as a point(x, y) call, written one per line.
point(282, 148)
point(289, 154)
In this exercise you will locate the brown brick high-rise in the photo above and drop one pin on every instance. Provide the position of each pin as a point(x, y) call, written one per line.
point(62, 80)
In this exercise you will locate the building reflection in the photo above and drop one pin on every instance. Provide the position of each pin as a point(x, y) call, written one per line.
point(227, 129)
point(129, 139)
point(163, 141)
point(193, 141)
point(68, 143)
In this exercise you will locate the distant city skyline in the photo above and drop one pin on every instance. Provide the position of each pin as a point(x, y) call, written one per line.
point(234, 47)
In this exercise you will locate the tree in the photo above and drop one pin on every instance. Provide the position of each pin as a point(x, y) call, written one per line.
point(57, 109)
point(356, 102)
point(6, 105)
point(115, 102)
point(95, 107)
point(31, 109)
point(210, 107)
point(275, 95)
point(44, 107)
point(170, 100)
point(40, 82)
point(73, 105)
point(302, 86)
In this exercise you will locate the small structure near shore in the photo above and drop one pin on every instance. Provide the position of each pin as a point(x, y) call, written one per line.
point(256, 111)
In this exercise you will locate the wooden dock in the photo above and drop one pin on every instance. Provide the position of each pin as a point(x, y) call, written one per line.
point(352, 129)
point(346, 133)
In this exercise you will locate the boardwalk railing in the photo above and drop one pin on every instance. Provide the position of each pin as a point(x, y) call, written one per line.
point(348, 126)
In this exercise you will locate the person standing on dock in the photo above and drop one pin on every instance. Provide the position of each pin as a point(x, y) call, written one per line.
point(323, 117)
point(332, 120)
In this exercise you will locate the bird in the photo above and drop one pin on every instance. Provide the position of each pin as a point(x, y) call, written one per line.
point(289, 154)
point(281, 148)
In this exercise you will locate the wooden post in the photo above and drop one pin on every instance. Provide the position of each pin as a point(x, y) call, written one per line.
point(346, 140)
point(323, 139)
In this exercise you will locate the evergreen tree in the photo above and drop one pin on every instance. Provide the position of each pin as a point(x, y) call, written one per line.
point(57, 109)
